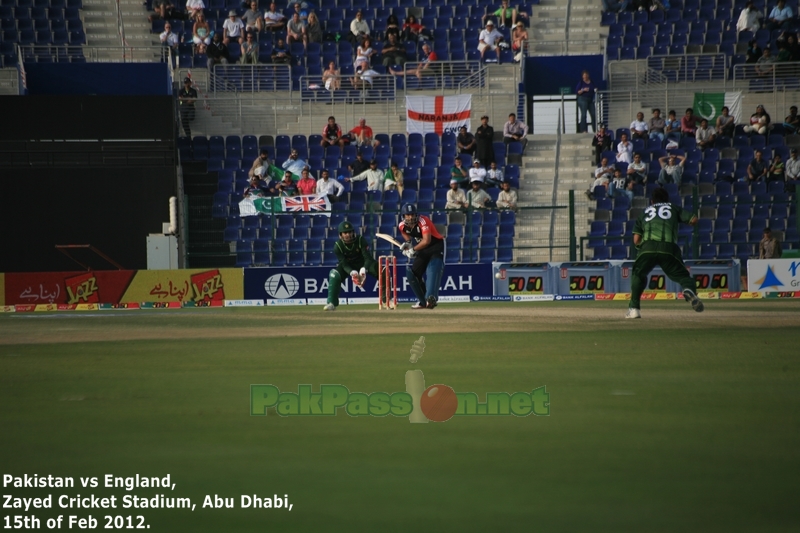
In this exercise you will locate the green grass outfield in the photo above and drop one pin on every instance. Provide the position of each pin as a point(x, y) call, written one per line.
point(676, 422)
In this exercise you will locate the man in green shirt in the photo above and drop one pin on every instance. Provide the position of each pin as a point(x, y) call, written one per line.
point(355, 260)
point(655, 235)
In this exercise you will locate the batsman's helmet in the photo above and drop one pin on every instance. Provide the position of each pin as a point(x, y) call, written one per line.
point(409, 210)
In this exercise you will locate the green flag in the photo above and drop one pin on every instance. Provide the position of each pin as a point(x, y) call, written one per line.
point(268, 205)
point(276, 173)
point(709, 105)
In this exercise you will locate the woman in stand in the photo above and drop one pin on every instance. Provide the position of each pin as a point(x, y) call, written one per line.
point(201, 33)
point(363, 54)
point(330, 78)
point(585, 91)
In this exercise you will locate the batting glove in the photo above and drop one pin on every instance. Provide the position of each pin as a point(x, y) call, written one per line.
point(406, 246)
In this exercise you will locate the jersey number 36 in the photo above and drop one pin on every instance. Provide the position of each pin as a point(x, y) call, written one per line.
point(664, 212)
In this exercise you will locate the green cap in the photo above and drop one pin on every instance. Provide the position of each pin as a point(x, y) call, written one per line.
point(345, 227)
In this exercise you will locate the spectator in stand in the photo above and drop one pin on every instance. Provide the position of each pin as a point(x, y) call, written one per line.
point(689, 123)
point(393, 179)
point(363, 136)
point(765, 64)
point(639, 127)
point(255, 187)
point(637, 170)
point(620, 185)
point(250, 50)
point(777, 170)
point(302, 12)
point(656, 126)
point(780, 17)
point(364, 52)
point(253, 18)
point(331, 77)
point(586, 91)
point(673, 129)
point(624, 149)
point(671, 169)
point(477, 197)
point(601, 142)
point(769, 247)
point(466, 142)
point(287, 187)
point(753, 53)
point(423, 66)
point(363, 77)
point(793, 166)
point(758, 168)
point(759, 122)
point(359, 165)
point(477, 173)
point(793, 47)
point(614, 6)
point(456, 199)
point(295, 30)
point(494, 175)
point(373, 176)
point(507, 199)
point(791, 124)
point(515, 131)
point(489, 39)
point(358, 29)
point(459, 173)
point(519, 40)
point(393, 52)
point(705, 136)
point(232, 28)
point(280, 54)
point(332, 134)
point(168, 38)
point(331, 188)
point(484, 137)
point(201, 34)
point(274, 20)
point(393, 27)
point(217, 52)
point(602, 174)
point(412, 29)
point(194, 8)
point(313, 29)
point(748, 19)
point(506, 16)
point(294, 164)
point(262, 161)
point(784, 56)
point(186, 99)
point(165, 10)
point(306, 185)
point(725, 123)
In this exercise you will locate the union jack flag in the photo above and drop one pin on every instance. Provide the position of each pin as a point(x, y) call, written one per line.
point(307, 203)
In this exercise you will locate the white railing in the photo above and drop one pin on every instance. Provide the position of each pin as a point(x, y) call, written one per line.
point(250, 78)
point(691, 67)
point(94, 54)
point(760, 77)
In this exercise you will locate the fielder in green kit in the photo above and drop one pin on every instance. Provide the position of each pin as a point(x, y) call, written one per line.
point(355, 260)
point(655, 235)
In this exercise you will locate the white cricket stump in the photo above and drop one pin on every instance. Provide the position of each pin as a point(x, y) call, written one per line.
point(415, 386)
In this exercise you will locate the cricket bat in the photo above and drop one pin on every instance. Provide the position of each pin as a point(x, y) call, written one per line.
point(389, 238)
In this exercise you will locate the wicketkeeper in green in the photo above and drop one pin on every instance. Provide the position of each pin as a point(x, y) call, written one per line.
point(655, 235)
point(355, 260)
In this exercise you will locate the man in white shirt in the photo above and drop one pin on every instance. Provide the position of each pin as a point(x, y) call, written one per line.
point(373, 176)
point(477, 197)
point(294, 164)
point(232, 28)
point(168, 38)
point(602, 174)
point(274, 20)
point(637, 170)
point(477, 172)
point(456, 199)
point(253, 18)
point(704, 135)
point(639, 127)
point(624, 149)
point(494, 176)
point(331, 188)
point(793, 166)
point(507, 199)
point(358, 29)
point(489, 40)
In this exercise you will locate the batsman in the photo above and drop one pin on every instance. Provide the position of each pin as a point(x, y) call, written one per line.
point(655, 235)
point(424, 245)
point(355, 260)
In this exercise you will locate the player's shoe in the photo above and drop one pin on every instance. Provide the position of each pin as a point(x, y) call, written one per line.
point(431, 302)
point(690, 296)
point(329, 307)
point(419, 305)
point(633, 313)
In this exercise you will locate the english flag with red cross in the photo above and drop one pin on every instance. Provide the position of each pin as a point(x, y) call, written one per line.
point(437, 114)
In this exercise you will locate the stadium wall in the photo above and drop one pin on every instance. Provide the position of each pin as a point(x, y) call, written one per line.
point(98, 79)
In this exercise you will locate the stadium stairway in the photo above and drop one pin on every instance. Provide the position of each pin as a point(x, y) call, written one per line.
point(573, 27)
point(203, 229)
point(100, 24)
